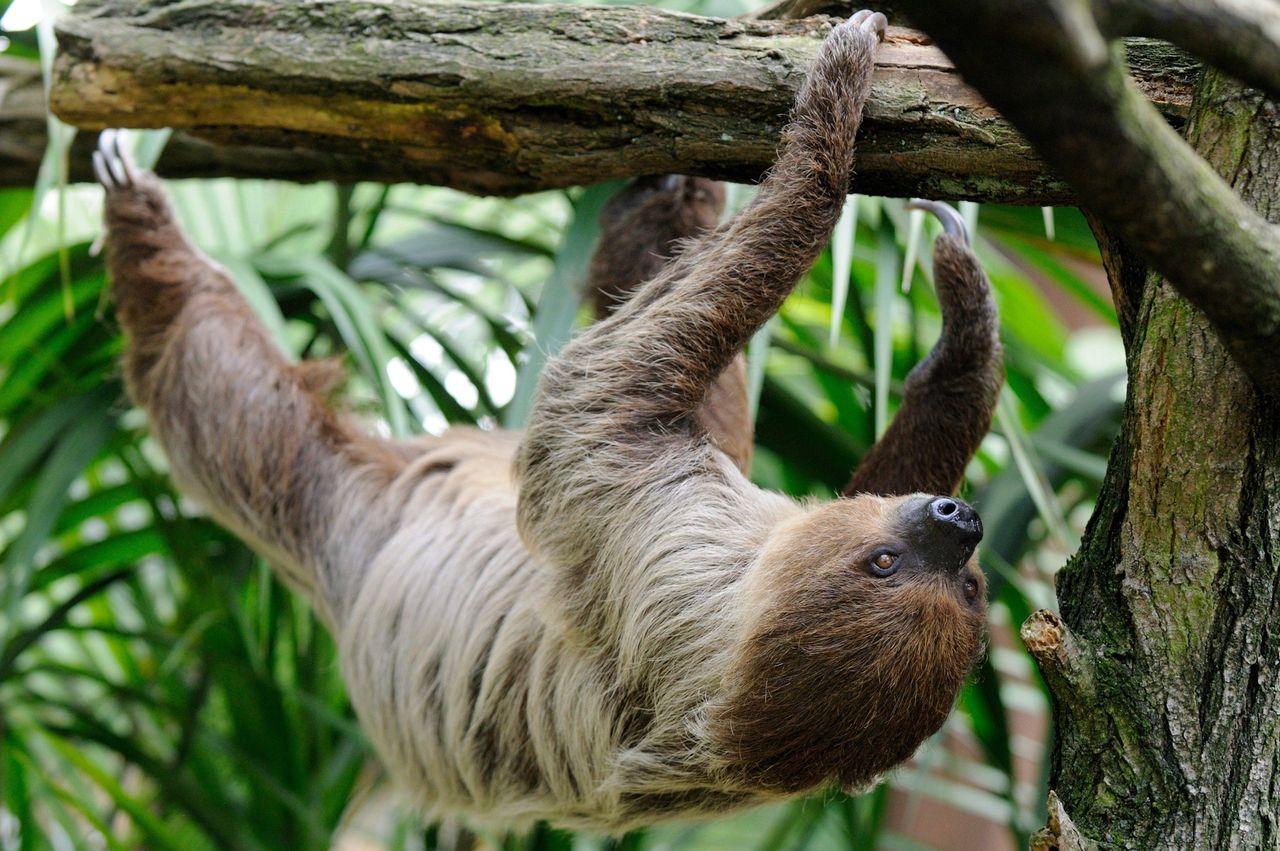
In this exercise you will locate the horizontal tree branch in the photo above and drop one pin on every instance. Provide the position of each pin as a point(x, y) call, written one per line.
point(1065, 87)
point(508, 98)
point(23, 138)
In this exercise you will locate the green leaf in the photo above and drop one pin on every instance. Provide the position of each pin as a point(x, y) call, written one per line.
point(38, 316)
point(97, 557)
point(15, 205)
point(915, 234)
point(886, 294)
point(1087, 419)
point(560, 297)
point(1032, 472)
point(29, 372)
point(75, 448)
point(159, 835)
point(149, 146)
point(452, 410)
point(757, 356)
point(787, 427)
point(841, 265)
point(28, 441)
point(26, 638)
point(454, 354)
point(352, 311)
point(439, 244)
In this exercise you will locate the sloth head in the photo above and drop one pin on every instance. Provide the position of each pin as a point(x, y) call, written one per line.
point(864, 617)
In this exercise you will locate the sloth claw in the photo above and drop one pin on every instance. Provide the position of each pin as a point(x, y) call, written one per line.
point(112, 164)
point(952, 222)
point(869, 21)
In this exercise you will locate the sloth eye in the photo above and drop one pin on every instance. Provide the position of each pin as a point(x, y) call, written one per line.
point(884, 563)
point(970, 588)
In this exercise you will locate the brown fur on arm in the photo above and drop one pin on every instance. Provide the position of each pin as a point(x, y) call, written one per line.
point(245, 432)
point(612, 434)
point(950, 395)
point(682, 330)
point(642, 229)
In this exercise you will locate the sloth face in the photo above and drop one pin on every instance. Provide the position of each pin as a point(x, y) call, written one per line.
point(858, 555)
point(863, 617)
point(930, 539)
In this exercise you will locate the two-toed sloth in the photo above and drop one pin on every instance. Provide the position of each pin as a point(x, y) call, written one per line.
point(602, 622)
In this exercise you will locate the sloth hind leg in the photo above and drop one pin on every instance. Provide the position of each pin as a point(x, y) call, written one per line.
point(643, 228)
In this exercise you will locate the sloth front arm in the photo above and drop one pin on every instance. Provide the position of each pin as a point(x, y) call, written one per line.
point(951, 394)
point(613, 440)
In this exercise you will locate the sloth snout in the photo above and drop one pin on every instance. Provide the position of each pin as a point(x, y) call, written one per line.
point(957, 520)
point(950, 530)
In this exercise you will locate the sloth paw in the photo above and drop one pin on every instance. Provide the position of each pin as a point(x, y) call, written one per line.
point(112, 163)
point(869, 22)
point(135, 199)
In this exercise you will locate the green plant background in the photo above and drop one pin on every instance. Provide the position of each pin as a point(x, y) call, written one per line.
point(159, 689)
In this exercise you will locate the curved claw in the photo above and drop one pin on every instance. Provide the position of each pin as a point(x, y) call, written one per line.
point(112, 163)
point(952, 222)
point(100, 169)
point(873, 22)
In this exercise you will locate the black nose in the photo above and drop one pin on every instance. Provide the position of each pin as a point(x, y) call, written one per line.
point(957, 518)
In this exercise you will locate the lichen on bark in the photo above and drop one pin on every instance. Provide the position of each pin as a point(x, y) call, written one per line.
point(507, 98)
point(1176, 589)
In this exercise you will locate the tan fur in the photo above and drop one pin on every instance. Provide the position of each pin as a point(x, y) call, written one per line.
point(660, 638)
point(642, 228)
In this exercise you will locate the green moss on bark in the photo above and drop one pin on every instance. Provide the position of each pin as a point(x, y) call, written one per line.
point(1177, 585)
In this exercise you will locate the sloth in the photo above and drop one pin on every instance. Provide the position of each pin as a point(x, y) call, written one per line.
point(643, 226)
point(602, 622)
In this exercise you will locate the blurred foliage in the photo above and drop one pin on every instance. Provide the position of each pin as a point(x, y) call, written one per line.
point(160, 689)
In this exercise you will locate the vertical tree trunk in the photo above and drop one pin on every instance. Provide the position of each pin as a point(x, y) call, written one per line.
point(1164, 677)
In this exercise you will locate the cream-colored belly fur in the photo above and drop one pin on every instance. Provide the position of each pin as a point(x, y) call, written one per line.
point(483, 696)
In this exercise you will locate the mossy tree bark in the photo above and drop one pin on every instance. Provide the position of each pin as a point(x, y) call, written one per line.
point(506, 98)
point(1164, 667)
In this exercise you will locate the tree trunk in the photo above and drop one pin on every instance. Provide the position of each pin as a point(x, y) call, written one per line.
point(1164, 676)
point(506, 98)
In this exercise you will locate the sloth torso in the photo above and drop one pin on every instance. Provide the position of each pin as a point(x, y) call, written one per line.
point(484, 694)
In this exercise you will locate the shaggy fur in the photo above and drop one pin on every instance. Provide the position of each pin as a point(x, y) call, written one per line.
point(660, 638)
point(642, 228)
